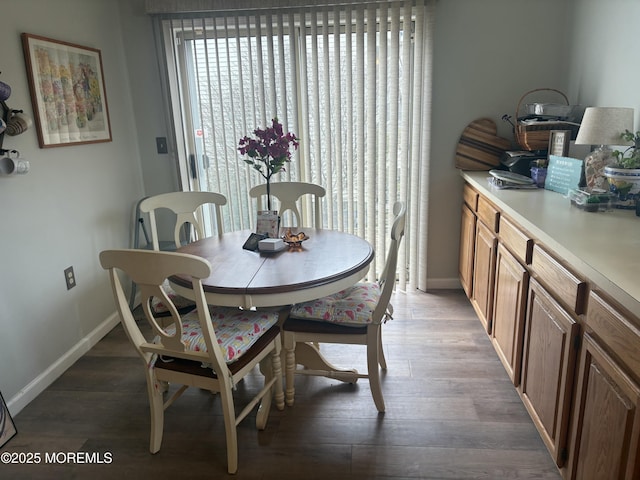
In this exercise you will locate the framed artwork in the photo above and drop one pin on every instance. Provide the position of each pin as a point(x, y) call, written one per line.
point(559, 142)
point(67, 92)
point(7, 427)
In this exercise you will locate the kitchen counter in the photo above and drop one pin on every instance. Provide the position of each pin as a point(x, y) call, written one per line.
point(603, 247)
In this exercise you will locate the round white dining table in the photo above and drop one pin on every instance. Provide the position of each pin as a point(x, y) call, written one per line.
point(327, 262)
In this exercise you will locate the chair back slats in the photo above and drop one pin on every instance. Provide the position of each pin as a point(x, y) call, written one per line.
point(148, 293)
point(187, 207)
point(289, 199)
point(150, 269)
point(388, 276)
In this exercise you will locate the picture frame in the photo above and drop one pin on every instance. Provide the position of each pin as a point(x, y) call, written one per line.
point(7, 427)
point(68, 94)
point(559, 142)
point(268, 223)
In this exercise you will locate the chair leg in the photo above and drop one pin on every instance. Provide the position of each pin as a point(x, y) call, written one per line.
point(290, 366)
point(381, 358)
point(264, 407)
point(373, 337)
point(156, 407)
point(276, 363)
point(229, 414)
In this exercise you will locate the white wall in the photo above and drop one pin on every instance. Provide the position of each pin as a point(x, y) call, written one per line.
point(488, 54)
point(77, 200)
point(603, 64)
point(160, 171)
point(74, 202)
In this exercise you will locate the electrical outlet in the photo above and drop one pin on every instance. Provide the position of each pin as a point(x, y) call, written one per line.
point(70, 278)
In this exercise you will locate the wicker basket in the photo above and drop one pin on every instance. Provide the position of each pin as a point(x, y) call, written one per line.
point(536, 137)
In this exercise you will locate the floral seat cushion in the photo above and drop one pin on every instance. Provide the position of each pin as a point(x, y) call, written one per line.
point(353, 306)
point(236, 330)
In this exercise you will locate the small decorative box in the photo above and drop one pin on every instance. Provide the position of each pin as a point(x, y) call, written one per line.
point(591, 200)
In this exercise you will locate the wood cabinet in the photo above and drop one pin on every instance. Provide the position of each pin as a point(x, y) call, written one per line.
point(467, 238)
point(605, 437)
point(467, 248)
point(484, 266)
point(484, 260)
point(511, 284)
point(550, 342)
point(606, 420)
point(572, 352)
point(567, 288)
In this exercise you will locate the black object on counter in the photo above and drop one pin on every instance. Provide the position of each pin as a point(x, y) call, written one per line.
point(521, 161)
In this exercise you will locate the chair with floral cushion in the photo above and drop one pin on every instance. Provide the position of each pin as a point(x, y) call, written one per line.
point(189, 209)
point(289, 196)
point(352, 316)
point(211, 348)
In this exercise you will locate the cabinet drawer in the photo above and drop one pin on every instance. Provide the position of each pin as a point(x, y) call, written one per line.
point(489, 214)
point(615, 330)
point(470, 197)
point(518, 243)
point(565, 286)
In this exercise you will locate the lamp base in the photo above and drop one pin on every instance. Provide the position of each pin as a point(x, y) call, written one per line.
point(594, 165)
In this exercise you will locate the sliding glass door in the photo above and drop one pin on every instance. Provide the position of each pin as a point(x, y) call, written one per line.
point(351, 82)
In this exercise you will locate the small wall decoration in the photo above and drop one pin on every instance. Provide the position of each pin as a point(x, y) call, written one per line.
point(7, 427)
point(67, 92)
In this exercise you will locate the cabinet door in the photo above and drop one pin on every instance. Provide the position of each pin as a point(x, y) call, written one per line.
point(548, 368)
point(467, 241)
point(606, 425)
point(512, 282)
point(484, 273)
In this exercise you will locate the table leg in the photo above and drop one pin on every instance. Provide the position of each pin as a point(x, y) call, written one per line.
point(309, 356)
point(315, 363)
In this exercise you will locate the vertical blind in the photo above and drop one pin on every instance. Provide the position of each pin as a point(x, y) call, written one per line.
point(353, 82)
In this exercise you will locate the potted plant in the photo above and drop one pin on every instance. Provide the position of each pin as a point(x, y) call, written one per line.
point(624, 175)
point(269, 149)
point(633, 159)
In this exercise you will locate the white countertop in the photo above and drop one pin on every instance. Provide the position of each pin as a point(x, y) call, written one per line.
point(603, 247)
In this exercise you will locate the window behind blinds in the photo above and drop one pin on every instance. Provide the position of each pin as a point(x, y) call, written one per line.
point(353, 83)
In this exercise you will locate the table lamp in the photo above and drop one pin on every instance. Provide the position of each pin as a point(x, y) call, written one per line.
point(602, 126)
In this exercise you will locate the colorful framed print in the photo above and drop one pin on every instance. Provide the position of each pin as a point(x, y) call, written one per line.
point(67, 92)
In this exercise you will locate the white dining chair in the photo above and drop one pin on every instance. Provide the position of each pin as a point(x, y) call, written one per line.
point(189, 211)
point(289, 196)
point(211, 348)
point(188, 208)
point(352, 317)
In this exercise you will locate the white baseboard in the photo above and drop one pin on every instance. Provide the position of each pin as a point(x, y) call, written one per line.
point(46, 378)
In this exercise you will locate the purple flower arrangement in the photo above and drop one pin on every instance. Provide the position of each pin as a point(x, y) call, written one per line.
point(270, 148)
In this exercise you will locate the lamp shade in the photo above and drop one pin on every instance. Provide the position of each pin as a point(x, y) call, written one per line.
point(603, 126)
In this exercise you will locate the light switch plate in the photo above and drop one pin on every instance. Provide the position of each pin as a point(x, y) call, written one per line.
point(161, 145)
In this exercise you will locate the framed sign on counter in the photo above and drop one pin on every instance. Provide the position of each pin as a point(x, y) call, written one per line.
point(563, 174)
point(559, 142)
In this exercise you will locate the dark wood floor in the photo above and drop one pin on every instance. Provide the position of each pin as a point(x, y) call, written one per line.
point(452, 413)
